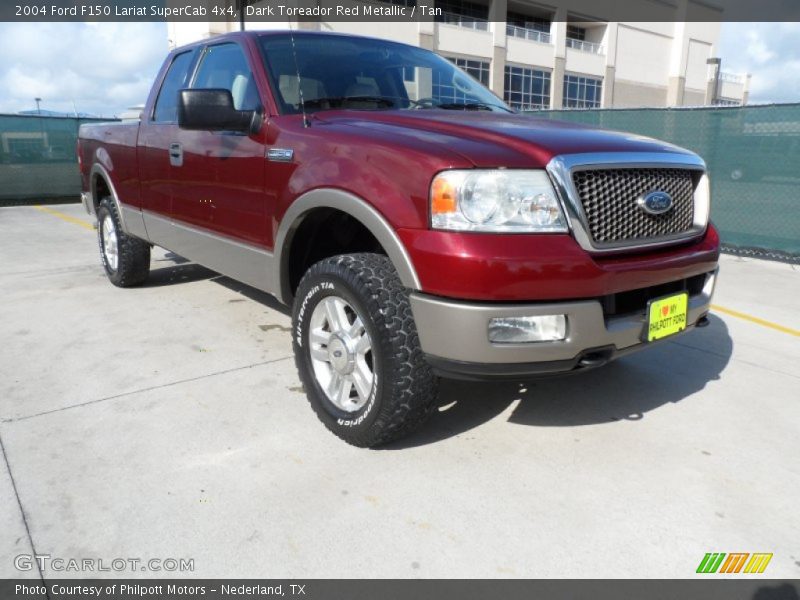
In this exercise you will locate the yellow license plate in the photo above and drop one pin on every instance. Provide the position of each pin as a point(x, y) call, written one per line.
point(667, 316)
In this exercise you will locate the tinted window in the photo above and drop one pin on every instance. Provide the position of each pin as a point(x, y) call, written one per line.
point(176, 79)
point(225, 67)
point(527, 89)
point(582, 92)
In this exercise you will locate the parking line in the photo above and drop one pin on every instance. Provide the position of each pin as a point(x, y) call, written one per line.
point(65, 217)
point(756, 320)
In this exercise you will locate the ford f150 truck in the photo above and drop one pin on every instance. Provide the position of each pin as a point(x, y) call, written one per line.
point(418, 226)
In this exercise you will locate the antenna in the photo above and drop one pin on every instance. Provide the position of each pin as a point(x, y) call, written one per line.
point(306, 122)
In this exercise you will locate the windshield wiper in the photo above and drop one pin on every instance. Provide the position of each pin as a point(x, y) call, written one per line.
point(468, 106)
point(332, 102)
point(338, 101)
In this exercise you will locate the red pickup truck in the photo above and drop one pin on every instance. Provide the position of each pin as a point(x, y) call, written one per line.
point(418, 226)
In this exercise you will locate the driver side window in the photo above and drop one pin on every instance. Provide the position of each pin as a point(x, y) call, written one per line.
point(224, 66)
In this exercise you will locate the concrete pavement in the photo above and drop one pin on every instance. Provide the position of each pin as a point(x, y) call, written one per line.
point(167, 421)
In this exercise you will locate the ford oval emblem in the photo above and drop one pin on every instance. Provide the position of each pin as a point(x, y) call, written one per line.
point(655, 203)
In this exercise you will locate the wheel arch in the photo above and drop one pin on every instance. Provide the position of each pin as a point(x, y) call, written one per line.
point(100, 181)
point(358, 209)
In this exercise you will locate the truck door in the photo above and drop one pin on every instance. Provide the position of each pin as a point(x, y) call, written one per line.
point(158, 129)
point(219, 184)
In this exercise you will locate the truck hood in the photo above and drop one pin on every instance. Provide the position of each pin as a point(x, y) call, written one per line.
point(495, 140)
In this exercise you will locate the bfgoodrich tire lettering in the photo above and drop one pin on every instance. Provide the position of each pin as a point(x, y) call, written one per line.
point(404, 389)
point(126, 259)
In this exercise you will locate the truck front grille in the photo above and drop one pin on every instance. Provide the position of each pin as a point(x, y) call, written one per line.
point(608, 198)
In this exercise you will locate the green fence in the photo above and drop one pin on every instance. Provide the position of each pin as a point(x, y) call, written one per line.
point(753, 158)
point(37, 158)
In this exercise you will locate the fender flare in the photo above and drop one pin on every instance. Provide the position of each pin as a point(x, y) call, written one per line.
point(100, 170)
point(357, 208)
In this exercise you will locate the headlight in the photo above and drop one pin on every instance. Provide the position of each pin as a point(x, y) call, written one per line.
point(507, 200)
point(702, 204)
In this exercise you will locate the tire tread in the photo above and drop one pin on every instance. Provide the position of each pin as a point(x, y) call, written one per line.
point(134, 253)
point(414, 393)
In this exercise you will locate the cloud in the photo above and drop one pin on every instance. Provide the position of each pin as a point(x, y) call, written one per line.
point(757, 48)
point(103, 68)
point(770, 52)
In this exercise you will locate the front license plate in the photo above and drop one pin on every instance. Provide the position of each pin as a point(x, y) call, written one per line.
point(666, 316)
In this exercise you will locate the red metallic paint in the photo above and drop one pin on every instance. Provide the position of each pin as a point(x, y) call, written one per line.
point(522, 268)
point(388, 158)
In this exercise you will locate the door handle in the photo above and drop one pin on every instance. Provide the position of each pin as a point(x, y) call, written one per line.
point(176, 155)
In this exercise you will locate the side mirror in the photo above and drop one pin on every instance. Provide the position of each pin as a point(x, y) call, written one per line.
point(213, 110)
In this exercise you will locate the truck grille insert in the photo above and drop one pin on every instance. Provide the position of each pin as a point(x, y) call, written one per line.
point(608, 197)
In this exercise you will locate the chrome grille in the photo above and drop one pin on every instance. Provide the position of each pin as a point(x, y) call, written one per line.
point(608, 198)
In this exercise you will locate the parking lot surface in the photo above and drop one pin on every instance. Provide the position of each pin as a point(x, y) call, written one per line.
point(167, 421)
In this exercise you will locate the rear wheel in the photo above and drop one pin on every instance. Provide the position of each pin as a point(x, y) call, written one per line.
point(126, 259)
point(357, 350)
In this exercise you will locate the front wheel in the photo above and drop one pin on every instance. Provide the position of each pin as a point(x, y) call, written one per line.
point(357, 350)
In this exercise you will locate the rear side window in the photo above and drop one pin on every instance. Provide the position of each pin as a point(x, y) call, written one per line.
point(167, 102)
point(224, 66)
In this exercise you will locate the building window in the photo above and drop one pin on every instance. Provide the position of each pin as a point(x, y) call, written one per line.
point(582, 92)
point(527, 89)
point(726, 102)
point(477, 68)
point(576, 33)
point(529, 28)
point(526, 22)
point(445, 92)
point(463, 13)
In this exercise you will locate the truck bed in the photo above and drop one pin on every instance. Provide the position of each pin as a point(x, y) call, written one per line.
point(112, 147)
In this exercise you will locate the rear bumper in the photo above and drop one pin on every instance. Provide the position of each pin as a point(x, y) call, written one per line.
point(454, 335)
point(88, 204)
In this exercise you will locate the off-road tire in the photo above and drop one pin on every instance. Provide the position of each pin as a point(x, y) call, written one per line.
point(133, 254)
point(405, 390)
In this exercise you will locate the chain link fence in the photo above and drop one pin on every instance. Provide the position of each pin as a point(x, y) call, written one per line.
point(38, 159)
point(752, 152)
point(753, 158)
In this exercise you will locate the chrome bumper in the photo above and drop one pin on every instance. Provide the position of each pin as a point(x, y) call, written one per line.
point(454, 335)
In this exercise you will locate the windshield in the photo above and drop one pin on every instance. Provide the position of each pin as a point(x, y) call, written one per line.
point(367, 74)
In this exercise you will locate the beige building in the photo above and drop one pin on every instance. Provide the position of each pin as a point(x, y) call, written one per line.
point(535, 56)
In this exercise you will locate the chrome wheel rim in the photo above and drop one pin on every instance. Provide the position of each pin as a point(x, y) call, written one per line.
point(110, 248)
point(341, 354)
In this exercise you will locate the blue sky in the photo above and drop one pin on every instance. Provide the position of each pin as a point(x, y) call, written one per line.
point(102, 68)
point(105, 68)
point(770, 51)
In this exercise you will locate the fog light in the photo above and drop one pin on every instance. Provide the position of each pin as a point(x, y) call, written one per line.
point(517, 330)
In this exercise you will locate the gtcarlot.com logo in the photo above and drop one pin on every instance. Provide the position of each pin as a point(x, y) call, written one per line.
point(46, 562)
point(734, 562)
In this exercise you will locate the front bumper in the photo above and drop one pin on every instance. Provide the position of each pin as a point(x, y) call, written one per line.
point(454, 335)
point(548, 267)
